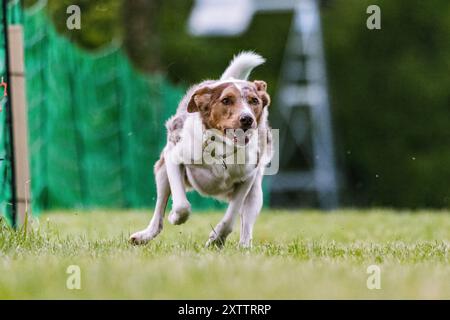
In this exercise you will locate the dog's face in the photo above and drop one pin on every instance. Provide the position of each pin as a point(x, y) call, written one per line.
point(230, 105)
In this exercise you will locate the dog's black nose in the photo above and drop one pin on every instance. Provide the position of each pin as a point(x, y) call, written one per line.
point(246, 121)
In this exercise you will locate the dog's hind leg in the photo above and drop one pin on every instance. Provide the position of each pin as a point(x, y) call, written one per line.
point(220, 233)
point(250, 211)
point(181, 208)
point(163, 191)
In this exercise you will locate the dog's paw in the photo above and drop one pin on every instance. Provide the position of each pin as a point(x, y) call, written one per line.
point(245, 244)
point(218, 242)
point(179, 214)
point(217, 239)
point(142, 237)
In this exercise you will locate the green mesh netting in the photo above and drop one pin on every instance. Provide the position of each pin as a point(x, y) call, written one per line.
point(96, 126)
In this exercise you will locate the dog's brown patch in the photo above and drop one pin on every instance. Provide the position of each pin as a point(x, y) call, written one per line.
point(261, 89)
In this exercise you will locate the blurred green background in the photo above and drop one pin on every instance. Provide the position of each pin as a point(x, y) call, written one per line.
point(389, 88)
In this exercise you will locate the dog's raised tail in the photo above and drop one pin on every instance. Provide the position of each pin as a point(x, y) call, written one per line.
point(242, 65)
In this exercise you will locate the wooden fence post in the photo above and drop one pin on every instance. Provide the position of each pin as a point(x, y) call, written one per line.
point(20, 122)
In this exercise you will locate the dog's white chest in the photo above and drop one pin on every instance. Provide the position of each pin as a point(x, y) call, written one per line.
point(218, 180)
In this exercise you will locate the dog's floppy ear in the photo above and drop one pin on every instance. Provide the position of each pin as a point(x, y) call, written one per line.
point(261, 88)
point(199, 100)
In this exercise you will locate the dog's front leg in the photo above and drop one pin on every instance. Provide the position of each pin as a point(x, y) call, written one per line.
point(250, 211)
point(181, 208)
point(163, 192)
point(219, 234)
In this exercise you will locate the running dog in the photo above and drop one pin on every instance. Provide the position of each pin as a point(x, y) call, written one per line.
point(218, 144)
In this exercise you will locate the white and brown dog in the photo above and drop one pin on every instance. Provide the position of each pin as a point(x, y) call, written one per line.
point(218, 144)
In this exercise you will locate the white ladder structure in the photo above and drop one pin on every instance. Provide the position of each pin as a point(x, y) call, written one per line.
point(303, 85)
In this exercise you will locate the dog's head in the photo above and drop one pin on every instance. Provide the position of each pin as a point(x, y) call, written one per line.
point(231, 105)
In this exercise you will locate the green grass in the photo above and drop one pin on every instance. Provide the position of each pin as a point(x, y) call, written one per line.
point(296, 255)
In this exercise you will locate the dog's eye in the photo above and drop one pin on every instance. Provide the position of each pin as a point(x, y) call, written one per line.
point(253, 101)
point(226, 101)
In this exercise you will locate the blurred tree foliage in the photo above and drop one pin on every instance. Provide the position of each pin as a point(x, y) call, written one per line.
point(391, 100)
point(142, 41)
point(389, 88)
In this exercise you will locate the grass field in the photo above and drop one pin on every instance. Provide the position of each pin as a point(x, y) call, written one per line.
point(296, 255)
